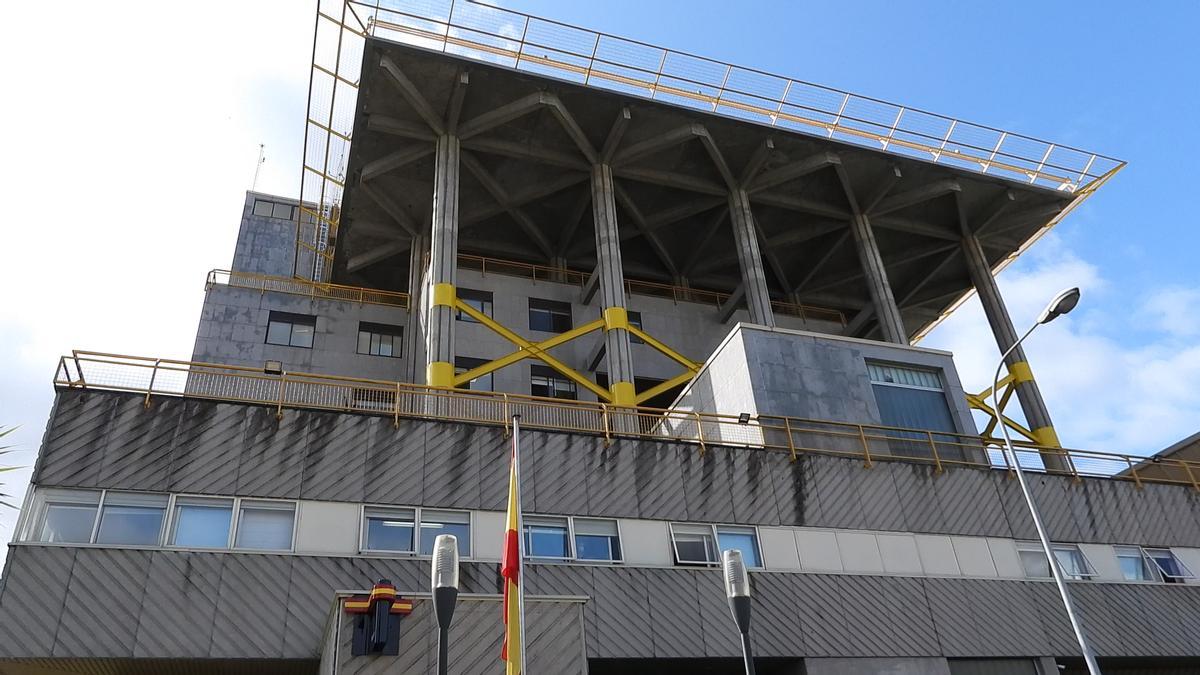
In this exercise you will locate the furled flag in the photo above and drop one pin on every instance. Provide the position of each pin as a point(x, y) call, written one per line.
point(510, 567)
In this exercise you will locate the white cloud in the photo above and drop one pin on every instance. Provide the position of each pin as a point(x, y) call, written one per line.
point(1105, 391)
point(1174, 310)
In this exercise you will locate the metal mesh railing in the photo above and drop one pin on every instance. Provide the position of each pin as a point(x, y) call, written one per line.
point(867, 443)
point(312, 289)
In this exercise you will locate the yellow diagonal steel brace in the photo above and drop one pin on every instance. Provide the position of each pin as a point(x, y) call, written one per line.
point(987, 393)
point(667, 351)
point(1004, 397)
point(978, 404)
point(663, 386)
point(529, 349)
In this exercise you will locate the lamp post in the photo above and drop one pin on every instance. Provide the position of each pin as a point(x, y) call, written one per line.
point(444, 579)
point(1062, 303)
point(737, 589)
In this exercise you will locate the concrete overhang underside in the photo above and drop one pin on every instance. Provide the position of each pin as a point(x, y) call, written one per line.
point(528, 143)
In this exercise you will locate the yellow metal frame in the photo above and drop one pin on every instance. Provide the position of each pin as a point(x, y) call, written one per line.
point(621, 393)
point(1017, 373)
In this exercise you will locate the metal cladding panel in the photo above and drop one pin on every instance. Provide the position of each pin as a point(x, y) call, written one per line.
point(179, 605)
point(911, 619)
point(871, 630)
point(1113, 501)
point(752, 489)
point(1177, 505)
point(1136, 619)
point(1095, 522)
point(706, 484)
point(494, 449)
point(969, 504)
point(776, 622)
point(881, 500)
point(103, 604)
point(1053, 497)
point(570, 580)
point(792, 492)
point(272, 459)
point(394, 460)
point(559, 477)
point(137, 453)
point(674, 607)
point(1057, 629)
point(1015, 510)
point(73, 449)
point(451, 470)
point(1178, 623)
point(611, 477)
point(335, 457)
point(32, 599)
point(823, 620)
point(623, 628)
point(658, 479)
point(309, 597)
point(1093, 611)
point(836, 484)
point(716, 622)
point(417, 644)
point(1006, 621)
point(251, 606)
point(953, 619)
point(207, 447)
point(918, 498)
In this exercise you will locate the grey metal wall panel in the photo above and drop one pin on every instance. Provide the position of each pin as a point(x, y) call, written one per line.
point(416, 646)
point(870, 630)
point(1053, 500)
point(969, 504)
point(752, 489)
point(880, 499)
point(137, 453)
point(1060, 640)
point(559, 475)
point(673, 611)
point(611, 477)
point(272, 458)
point(1135, 617)
point(103, 604)
point(1181, 511)
point(953, 617)
point(32, 599)
point(907, 610)
point(822, 615)
point(836, 483)
point(394, 460)
point(251, 606)
point(918, 498)
point(1177, 621)
point(335, 457)
point(309, 597)
point(179, 605)
point(658, 480)
point(1093, 611)
point(569, 580)
point(623, 627)
point(706, 484)
point(451, 471)
point(73, 450)
point(1013, 504)
point(1005, 620)
point(788, 483)
point(715, 622)
point(207, 447)
point(494, 449)
point(775, 619)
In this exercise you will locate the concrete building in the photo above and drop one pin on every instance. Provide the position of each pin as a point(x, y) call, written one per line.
point(701, 292)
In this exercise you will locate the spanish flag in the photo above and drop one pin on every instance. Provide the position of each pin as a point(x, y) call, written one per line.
point(510, 567)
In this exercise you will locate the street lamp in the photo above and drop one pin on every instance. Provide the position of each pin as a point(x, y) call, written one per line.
point(444, 579)
point(1062, 303)
point(737, 589)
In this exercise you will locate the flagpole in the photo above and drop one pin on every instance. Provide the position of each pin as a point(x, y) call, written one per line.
point(520, 537)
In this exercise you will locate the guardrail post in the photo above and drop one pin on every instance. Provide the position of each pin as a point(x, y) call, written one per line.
point(1191, 476)
point(282, 390)
point(787, 427)
point(396, 409)
point(604, 419)
point(78, 369)
point(700, 433)
point(150, 387)
point(1133, 472)
point(937, 460)
point(507, 417)
point(862, 434)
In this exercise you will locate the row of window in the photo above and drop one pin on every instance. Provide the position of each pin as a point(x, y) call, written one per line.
point(1135, 562)
point(269, 209)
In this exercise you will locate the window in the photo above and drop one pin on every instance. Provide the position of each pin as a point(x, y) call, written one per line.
point(201, 522)
point(597, 539)
point(464, 363)
point(269, 209)
point(635, 319)
point(743, 539)
point(1172, 569)
point(912, 398)
point(389, 529)
point(1071, 561)
point(1134, 565)
point(480, 300)
point(131, 519)
point(263, 207)
point(66, 516)
point(265, 526)
point(547, 382)
point(546, 538)
point(291, 330)
point(549, 315)
point(456, 523)
point(380, 339)
point(694, 544)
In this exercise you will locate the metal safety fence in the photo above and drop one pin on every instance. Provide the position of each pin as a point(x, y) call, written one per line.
point(312, 289)
point(795, 436)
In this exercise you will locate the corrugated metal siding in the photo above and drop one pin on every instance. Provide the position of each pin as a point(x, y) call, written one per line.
point(104, 439)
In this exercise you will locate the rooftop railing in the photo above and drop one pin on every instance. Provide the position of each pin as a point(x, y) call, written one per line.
point(312, 289)
point(795, 436)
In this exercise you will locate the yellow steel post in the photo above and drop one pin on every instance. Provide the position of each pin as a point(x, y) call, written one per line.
point(604, 419)
point(937, 460)
point(150, 387)
point(282, 389)
point(862, 434)
point(1133, 472)
point(396, 409)
point(787, 428)
point(1191, 476)
point(507, 417)
point(700, 433)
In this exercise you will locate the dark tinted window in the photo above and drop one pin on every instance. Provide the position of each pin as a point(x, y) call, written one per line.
point(291, 330)
point(549, 316)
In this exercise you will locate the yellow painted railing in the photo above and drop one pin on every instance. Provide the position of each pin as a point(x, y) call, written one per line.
point(293, 286)
point(794, 436)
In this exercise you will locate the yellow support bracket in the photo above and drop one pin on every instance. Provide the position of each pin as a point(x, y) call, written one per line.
point(445, 295)
point(527, 349)
point(1020, 372)
point(663, 386)
point(615, 317)
point(682, 360)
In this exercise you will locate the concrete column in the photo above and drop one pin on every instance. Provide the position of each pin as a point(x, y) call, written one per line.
point(415, 335)
point(443, 266)
point(611, 285)
point(1036, 413)
point(886, 310)
point(754, 278)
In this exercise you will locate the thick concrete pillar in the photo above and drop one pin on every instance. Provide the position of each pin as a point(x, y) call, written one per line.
point(611, 285)
point(886, 310)
point(1036, 413)
point(415, 335)
point(754, 278)
point(443, 266)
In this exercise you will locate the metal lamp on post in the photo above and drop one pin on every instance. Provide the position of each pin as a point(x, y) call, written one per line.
point(737, 589)
point(444, 580)
point(1063, 303)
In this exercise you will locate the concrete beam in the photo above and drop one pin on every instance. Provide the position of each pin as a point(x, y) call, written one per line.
point(732, 304)
point(916, 196)
point(671, 179)
point(394, 126)
point(392, 161)
point(821, 262)
point(498, 193)
point(502, 115)
point(997, 208)
point(527, 152)
point(793, 171)
point(912, 291)
point(639, 222)
point(859, 321)
point(412, 95)
point(655, 144)
point(614, 136)
point(675, 214)
point(572, 222)
point(745, 235)
point(884, 186)
point(890, 321)
point(521, 198)
point(574, 131)
point(390, 207)
point(800, 204)
point(757, 161)
point(718, 160)
point(914, 227)
point(708, 233)
point(457, 96)
point(590, 287)
point(904, 260)
point(377, 255)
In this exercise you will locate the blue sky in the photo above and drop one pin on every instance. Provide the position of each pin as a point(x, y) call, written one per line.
point(130, 148)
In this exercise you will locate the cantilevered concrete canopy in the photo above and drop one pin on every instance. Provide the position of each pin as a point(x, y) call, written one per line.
point(528, 144)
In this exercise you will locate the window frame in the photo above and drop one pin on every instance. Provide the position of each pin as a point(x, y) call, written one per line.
point(753, 533)
point(379, 330)
point(635, 319)
point(553, 376)
point(575, 545)
point(468, 295)
point(162, 525)
point(477, 362)
point(1148, 566)
point(418, 518)
point(168, 539)
point(570, 535)
point(291, 319)
point(236, 528)
point(32, 520)
point(553, 308)
point(1036, 547)
point(1163, 575)
point(713, 529)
